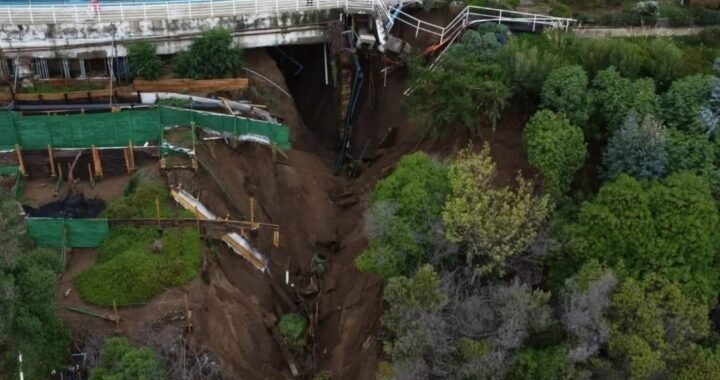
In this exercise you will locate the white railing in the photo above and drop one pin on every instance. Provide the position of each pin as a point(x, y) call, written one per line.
point(170, 10)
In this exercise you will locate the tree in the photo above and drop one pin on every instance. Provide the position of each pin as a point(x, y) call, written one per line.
point(527, 67)
point(492, 223)
point(143, 61)
point(460, 90)
point(666, 62)
point(710, 114)
point(682, 103)
point(29, 323)
point(540, 364)
point(422, 341)
point(586, 300)
point(293, 328)
point(566, 90)
point(691, 152)
point(556, 148)
point(213, 55)
point(405, 209)
point(638, 149)
point(121, 361)
point(655, 326)
point(665, 228)
point(615, 96)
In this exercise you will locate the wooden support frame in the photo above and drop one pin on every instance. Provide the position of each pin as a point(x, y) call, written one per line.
point(51, 157)
point(127, 160)
point(21, 162)
point(90, 176)
point(97, 163)
point(131, 155)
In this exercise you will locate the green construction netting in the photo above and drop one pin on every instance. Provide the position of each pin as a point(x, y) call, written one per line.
point(115, 129)
point(81, 233)
point(9, 170)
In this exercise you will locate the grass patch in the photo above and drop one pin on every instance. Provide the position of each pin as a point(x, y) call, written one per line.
point(44, 88)
point(135, 264)
point(130, 272)
point(140, 202)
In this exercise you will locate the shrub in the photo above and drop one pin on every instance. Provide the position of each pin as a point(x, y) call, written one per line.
point(637, 148)
point(556, 148)
point(566, 90)
point(560, 10)
point(665, 62)
point(682, 103)
point(405, 207)
point(213, 55)
point(121, 361)
point(615, 97)
point(141, 202)
point(545, 364)
point(136, 274)
point(143, 61)
point(677, 16)
point(709, 36)
point(294, 329)
point(704, 17)
point(690, 151)
point(527, 67)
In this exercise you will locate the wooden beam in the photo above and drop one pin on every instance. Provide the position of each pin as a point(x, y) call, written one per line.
point(132, 155)
point(97, 163)
point(21, 163)
point(52, 162)
point(127, 160)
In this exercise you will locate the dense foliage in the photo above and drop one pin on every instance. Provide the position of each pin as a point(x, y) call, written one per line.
point(628, 129)
point(29, 324)
point(136, 263)
point(402, 218)
point(294, 331)
point(638, 148)
point(556, 148)
point(143, 61)
point(121, 361)
point(213, 55)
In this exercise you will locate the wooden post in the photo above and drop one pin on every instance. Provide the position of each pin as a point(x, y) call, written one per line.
point(252, 213)
point(157, 210)
point(276, 238)
point(131, 154)
point(60, 173)
point(127, 159)
point(90, 175)
point(53, 174)
point(97, 162)
point(117, 318)
point(197, 218)
point(21, 163)
point(188, 314)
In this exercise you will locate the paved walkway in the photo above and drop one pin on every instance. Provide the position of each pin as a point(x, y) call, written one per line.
point(598, 32)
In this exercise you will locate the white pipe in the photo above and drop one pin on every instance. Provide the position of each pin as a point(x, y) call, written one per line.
point(326, 64)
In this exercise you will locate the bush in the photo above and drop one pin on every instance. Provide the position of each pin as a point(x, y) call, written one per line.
point(666, 62)
point(566, 90)
point(638, 148)
point(294, 330)
point(121, 361)
point(213, 55)
point(527, 67)
point(135, 274)
point(705, 17)
point(556, 148)
point(143, 61)
point(545, 364)
point(141, 202)
point(560, 10)
point(690, 151)
point(615, 97)
point(709, 36)
point(682, 103)
point(677, 16)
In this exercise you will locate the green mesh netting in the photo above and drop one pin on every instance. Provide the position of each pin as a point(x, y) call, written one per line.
point(9, 170)
point(115, 129)
point(81, 233)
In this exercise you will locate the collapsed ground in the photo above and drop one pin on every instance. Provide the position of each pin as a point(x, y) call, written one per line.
point(230, 298)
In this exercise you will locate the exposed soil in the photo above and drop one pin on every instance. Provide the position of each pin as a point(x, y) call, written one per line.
point(232, 299)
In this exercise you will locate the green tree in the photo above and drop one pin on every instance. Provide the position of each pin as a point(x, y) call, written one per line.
point(121, 361)
point(682, 103)
point(213, 55)
point(460, 90)
point(144, 62)
point(690, 151)
point(666, 228)
point(556, 148)
point(527, 67)
point(655, 326)
point(491, 223)
point(638, 148)
point(294, 330)
point(29, 323)
point(540, 364)
point(405, 207)
point(615, 96)
point(566, 90)
point(666, 62)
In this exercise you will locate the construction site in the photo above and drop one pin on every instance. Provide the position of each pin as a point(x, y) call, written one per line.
point(273, 169)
